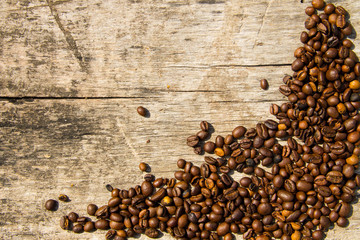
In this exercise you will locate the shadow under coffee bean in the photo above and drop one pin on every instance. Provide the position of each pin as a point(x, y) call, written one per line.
point(311, 184)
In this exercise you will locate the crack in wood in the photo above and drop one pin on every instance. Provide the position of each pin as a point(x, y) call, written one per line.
point(68, 37)
point(262, 22)
point(229, 66)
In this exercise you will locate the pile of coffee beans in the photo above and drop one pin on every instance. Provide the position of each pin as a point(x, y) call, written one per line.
point(311, 183)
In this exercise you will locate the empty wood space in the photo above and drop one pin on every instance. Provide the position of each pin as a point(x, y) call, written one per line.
point(73, 72)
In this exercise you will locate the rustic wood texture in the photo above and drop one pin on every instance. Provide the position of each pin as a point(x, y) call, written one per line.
point(74, 72)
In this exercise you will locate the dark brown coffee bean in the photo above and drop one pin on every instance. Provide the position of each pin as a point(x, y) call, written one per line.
point(152, 233)
point(334, 177)
point(102, 224)
point(285, 195)
point(223, 228)
point(110, 234)
point(324, 191)
point(204, 125)
point(264, 84)
point(192, 141)
point(202, 134)
point(209, 147)
point(146, 188)
point(51, 205)
point(65, 223)
point(303, 186)
point(89, 226)
point(73, 217)
point(78, 228)
point(264, 209)
point(285, 90)
point(142, 111)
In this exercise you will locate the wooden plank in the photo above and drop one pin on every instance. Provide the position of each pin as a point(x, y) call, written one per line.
point(49, 145)
point(90, 48)
point(186, 61)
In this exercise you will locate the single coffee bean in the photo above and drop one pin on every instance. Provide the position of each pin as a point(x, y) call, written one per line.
point(142, 111)
point(146, 188)
point(152, 232)
point(264, 84)
point(192, 141)
point(181, 163)
point(64, 198)
point(204, 125)
point(143, 167)
point(51, 205)
point(318, 4)
point(91, 209)
point(78, 228)
point(209, 147)
point(223, 228)
point(65, 223)
point(102, 224)
point(73, 217)
point(89, 226)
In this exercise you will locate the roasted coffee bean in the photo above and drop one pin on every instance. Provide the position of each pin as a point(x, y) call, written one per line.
point(209, 147)
point(204, 125)
point(73, 217)
point(78, 228)
point(65, 223)
point(192, 141)
point(143, 167)
point(264, 84)
point(334, 177)
point(152, 233)
point(89, 226)
point(63, 198)
point(102, 224)
point(51, 205)
point(142, 111)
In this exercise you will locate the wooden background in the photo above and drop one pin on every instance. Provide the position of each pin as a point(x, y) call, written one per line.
point(73, 72)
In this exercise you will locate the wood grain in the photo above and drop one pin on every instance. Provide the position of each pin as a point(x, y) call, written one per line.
point(74, 72)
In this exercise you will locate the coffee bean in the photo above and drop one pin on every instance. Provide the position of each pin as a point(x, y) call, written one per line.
point(204, 125)
point(73, 217)
point(65, 223)
point(51, 205)
point(223, 228)
point(142, 111)
point(143, 167)
point(334, 177)
point(64, 198)
point(264, 84)
point(89, 226)
point(192, 141)
point(209, 147)
point(264, 208)
point(91, 209)
point(152, 232)
point(102, 224)
point(78, 228)
point(318, 4)
point(146, 188)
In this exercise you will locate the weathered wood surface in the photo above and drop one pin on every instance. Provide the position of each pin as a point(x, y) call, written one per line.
point(73, 72)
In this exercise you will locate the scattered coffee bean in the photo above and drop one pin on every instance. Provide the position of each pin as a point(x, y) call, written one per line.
point(51, 205)
point(143, 167)
point(64, 198)
point(264, 84)
point(142, 111)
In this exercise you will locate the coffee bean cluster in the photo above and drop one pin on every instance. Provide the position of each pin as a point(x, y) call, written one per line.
point(196, 141)
point(310, 185)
